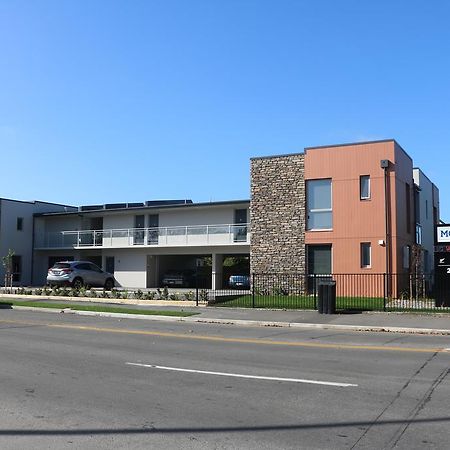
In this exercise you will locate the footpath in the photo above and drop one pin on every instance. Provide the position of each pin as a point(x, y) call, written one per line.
point(415, 323)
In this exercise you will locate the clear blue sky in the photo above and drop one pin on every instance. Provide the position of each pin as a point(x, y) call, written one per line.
point(110, 101)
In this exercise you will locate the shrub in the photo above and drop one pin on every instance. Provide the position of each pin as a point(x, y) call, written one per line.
point(138, 294)
point(125, 294)
point(93, 293)
point(165, 293)
point(173, 297)
point(55, 290)
point(38, 291)
point(74, 292)
point(189, 296)
point(47, 291)
point(203, 294)
point(115, 293)
point(104, 294)
point(64, 292)
point(82, 292)
point(149, 295)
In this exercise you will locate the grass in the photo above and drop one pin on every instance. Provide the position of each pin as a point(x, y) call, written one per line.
point(100, 308)
point(300, 302)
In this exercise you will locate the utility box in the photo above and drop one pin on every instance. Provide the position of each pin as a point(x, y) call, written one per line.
point(326, 303)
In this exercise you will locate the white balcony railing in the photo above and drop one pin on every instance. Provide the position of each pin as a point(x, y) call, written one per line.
point(191, 235)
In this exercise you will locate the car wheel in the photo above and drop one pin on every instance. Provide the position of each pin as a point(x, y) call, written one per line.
point(109, 284)
point(77, 283)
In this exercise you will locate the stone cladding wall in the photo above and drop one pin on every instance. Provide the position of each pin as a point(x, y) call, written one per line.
point(277, 214)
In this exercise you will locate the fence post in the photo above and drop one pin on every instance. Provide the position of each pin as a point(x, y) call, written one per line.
point(196, 289)
point(253, 290)
point(385, 281)
point(315, 291)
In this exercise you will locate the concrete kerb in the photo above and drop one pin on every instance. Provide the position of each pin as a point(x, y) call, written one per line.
point(252, 323)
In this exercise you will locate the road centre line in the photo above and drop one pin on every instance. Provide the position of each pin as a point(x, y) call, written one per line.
point(238, 375)
point(233, 340)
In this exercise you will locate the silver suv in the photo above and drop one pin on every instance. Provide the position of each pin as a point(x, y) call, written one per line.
point(78, 274)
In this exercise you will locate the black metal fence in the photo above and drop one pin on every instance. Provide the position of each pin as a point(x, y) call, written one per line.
point(354, 292)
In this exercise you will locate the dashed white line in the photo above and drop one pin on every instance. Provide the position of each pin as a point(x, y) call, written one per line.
point(239, 375)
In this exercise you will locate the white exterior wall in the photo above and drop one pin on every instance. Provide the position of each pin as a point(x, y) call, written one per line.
point(118, 221)
point(201, 216)
point(426, 215)
point(130, 267)
point(205, 215)
point(21, 242)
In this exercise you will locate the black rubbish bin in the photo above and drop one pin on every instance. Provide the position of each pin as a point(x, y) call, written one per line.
point(326, 302)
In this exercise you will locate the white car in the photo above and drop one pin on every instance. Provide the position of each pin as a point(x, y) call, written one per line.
point(78, 274)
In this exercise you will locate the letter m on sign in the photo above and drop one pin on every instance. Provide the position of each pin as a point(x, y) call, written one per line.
point(445, 233)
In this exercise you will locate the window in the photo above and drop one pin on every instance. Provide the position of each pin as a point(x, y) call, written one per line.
point(366, 255)
point(19, 224)
point(318, 201)
point(16, 268)
point(417, 204)
point(319, 259)
point(240, 228)
point(364, 187)
point(153, 232)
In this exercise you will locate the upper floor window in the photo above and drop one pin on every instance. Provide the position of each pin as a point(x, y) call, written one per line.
point(364, 187)
point(319, 205)
point(19, 224)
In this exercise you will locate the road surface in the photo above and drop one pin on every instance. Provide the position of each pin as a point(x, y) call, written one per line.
point(68, 381)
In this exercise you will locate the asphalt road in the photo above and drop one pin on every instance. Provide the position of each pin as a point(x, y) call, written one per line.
point(69, 381)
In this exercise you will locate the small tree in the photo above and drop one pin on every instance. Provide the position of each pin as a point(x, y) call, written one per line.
point(418, 287)
point(7, 262)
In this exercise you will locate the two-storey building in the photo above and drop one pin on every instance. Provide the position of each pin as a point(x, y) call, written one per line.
point(341, 209)
point(141, 242)
point(16, 234)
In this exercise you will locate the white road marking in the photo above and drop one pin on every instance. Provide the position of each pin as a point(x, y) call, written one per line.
point(238, 375)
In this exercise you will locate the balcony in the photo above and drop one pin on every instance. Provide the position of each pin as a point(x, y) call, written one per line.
point(180, 236)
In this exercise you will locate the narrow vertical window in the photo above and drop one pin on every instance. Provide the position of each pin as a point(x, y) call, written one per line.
point(366, 255)
point(364, 187)
point(319, 205)
point(19, 224)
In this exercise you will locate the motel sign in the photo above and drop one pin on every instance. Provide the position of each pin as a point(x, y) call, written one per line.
point(442, 265)
point(442, 233)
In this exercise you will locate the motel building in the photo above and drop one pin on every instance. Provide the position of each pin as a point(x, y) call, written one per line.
point(360, 208)
point(140, 243)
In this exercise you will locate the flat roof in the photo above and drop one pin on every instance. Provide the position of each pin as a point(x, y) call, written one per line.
point(346, 144)
point(33, 202)
point(283, 155)
point(144, 208)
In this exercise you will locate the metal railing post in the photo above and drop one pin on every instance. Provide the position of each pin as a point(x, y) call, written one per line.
point(384, 290)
